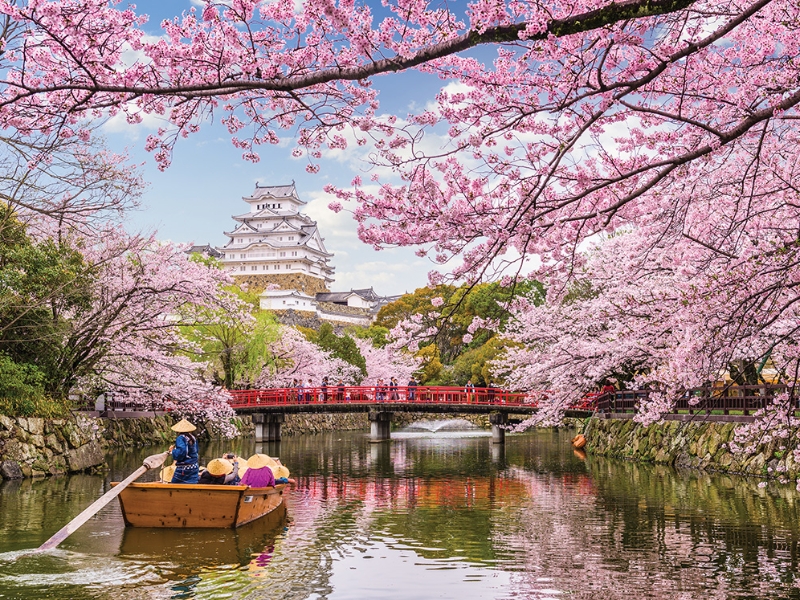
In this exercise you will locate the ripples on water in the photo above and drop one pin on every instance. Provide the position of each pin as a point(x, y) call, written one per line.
point(443, 515)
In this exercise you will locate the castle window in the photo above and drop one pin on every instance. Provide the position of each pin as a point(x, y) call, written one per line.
point(280, 239)
point(294, 253)
point(243, 256)
point(283, 253)
point(277, 267)
point(254, 268)
point(242, 268)
point(291, 238)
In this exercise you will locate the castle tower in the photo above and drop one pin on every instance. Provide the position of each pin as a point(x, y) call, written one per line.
point(275, 243)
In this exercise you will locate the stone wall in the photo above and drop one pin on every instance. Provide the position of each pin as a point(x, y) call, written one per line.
point(287, 281)
point(699, 445)
point(31, 447)
point(298, 424)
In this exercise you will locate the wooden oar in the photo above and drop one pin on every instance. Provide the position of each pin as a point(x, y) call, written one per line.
point(151, 462)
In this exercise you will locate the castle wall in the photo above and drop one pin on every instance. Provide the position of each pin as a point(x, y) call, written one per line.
point(287, 281)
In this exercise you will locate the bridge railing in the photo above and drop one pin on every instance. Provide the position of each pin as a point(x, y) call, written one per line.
point(719, 399)
point(379, 394)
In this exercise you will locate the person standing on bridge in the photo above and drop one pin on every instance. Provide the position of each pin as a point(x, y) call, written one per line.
point(324, 388)
point(469, 390)
point(412, 389)
point(393, 389)
point(340, 391)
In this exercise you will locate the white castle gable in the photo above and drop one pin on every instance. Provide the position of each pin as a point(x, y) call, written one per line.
point(273, 238)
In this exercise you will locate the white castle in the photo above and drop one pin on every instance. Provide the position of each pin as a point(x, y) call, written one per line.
point(274, 245)
point(275, 238)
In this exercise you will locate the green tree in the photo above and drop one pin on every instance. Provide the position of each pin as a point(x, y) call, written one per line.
point(460, 306)
point(41, 284)
point(340, 346)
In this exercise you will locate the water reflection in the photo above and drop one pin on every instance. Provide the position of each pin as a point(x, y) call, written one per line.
point(442, 515)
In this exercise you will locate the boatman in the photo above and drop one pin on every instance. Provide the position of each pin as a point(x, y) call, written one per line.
point(185, 452)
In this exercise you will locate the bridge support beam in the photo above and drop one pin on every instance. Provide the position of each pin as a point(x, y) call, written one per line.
point(268, 426)
point(498, 421)
point(380, 425)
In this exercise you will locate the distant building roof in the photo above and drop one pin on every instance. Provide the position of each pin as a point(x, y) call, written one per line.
point(367, 294)
point(206, 249)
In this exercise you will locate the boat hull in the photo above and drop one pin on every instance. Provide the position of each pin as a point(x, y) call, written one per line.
point(184, 506)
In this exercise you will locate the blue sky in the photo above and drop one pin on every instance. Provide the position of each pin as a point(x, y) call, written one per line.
point(193, 200)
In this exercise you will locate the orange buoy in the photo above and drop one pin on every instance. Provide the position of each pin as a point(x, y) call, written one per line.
point(578, 441)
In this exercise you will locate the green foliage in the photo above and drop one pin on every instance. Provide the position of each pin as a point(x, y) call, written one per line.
point(238, 350)
point(343, 347)
point(19, 381)
point(461, 306)
point(22, 392)
point(473, 364)
point(41, 285)
point(378, 335)
point(431, 368)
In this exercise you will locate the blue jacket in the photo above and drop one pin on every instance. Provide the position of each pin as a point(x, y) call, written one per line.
point(184, 452)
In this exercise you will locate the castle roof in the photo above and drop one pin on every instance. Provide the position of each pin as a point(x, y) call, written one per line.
point(275, 191)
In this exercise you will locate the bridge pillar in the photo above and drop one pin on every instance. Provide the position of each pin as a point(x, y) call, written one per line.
point(268, 426)
point(498, 420)
point(380, 425)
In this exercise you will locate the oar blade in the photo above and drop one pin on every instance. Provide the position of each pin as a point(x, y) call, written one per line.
point(150, 462)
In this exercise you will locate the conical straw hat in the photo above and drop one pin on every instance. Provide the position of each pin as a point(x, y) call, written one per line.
point(183, 426)
point(167, 473)
point(260, 460)
point(280, 471)
point(219, 466)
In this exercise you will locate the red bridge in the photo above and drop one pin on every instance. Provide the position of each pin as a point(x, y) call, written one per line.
point(357, 398)
point(269, 406)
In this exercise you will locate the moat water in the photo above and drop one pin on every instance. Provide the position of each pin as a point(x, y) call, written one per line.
point(441, 515)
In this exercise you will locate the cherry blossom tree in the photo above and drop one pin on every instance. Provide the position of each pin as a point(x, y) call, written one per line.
point(672, 120)
point(591, 115)
point(295, 357)
point(68, 181)
point(126, 337)
point(387, 362)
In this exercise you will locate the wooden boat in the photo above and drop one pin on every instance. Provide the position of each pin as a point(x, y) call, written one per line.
point(200, 548)
point(206, 506)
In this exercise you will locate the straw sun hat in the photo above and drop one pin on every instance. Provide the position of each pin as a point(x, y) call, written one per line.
point(280, 471)
point(260, 460)
point(183, 426)
point(219, 466)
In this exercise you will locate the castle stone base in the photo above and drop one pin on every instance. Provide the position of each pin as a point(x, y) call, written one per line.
point(287, 281)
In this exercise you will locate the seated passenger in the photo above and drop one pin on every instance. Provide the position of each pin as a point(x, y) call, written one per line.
point(220, 472)
point(259, 474)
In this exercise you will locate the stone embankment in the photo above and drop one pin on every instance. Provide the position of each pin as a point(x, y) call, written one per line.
point(317, 423)
point(692, 444)
point(32, 447)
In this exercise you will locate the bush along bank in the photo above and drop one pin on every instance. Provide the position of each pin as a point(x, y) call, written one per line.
point(692, 444)
point(35, 447)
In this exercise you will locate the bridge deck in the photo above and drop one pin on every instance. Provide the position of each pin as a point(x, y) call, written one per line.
point(396, 399)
